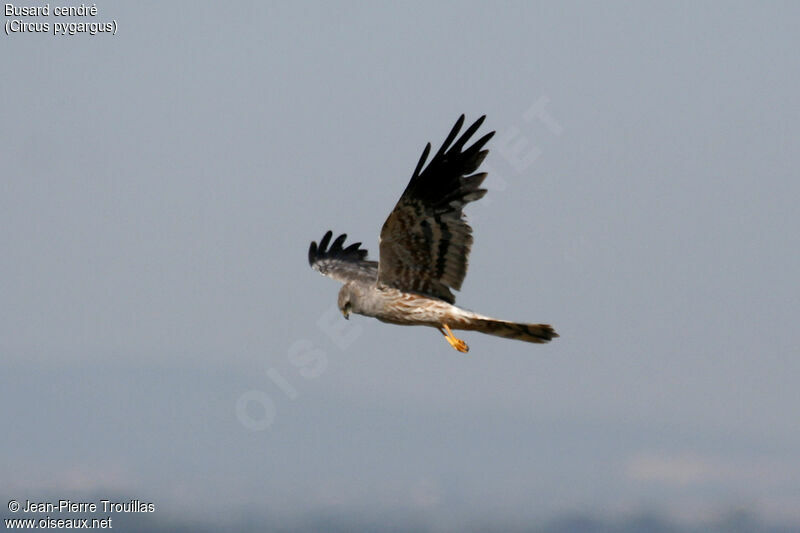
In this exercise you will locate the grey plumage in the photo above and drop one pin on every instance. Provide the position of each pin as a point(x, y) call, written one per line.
point(424, 249)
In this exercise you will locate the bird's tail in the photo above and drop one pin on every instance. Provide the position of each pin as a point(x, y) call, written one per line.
point(538, 333)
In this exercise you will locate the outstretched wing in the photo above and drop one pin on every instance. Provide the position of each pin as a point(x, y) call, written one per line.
point(425, 241)
point(339, 263)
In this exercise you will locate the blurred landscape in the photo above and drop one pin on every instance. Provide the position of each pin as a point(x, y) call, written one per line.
point(399, 520)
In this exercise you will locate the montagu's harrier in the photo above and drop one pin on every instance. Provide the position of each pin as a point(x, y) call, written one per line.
point(423, 251)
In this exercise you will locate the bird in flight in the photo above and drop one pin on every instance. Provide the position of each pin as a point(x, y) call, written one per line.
point(424, 246)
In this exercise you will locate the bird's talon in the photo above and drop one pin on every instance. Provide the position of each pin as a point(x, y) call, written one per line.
point(458, 344)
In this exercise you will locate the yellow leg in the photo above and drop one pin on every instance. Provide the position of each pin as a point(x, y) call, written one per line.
point(458, 344)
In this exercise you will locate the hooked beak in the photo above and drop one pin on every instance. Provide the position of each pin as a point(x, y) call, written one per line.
point(346, 314)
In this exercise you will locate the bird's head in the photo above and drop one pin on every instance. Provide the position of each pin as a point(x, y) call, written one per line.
point(347, 297)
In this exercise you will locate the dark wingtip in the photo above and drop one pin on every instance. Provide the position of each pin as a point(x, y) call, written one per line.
point(422, 160)
point(323, 244)
point(315, 250)
point(468, 134)
point(450, 136)
point(353, 246)
point(337, 244)
point(312, 252)
point(326, 249)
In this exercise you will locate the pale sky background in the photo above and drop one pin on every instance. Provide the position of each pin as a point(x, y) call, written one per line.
point(159, 189)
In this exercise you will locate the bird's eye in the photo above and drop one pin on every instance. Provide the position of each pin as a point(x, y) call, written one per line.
point(347, 306)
